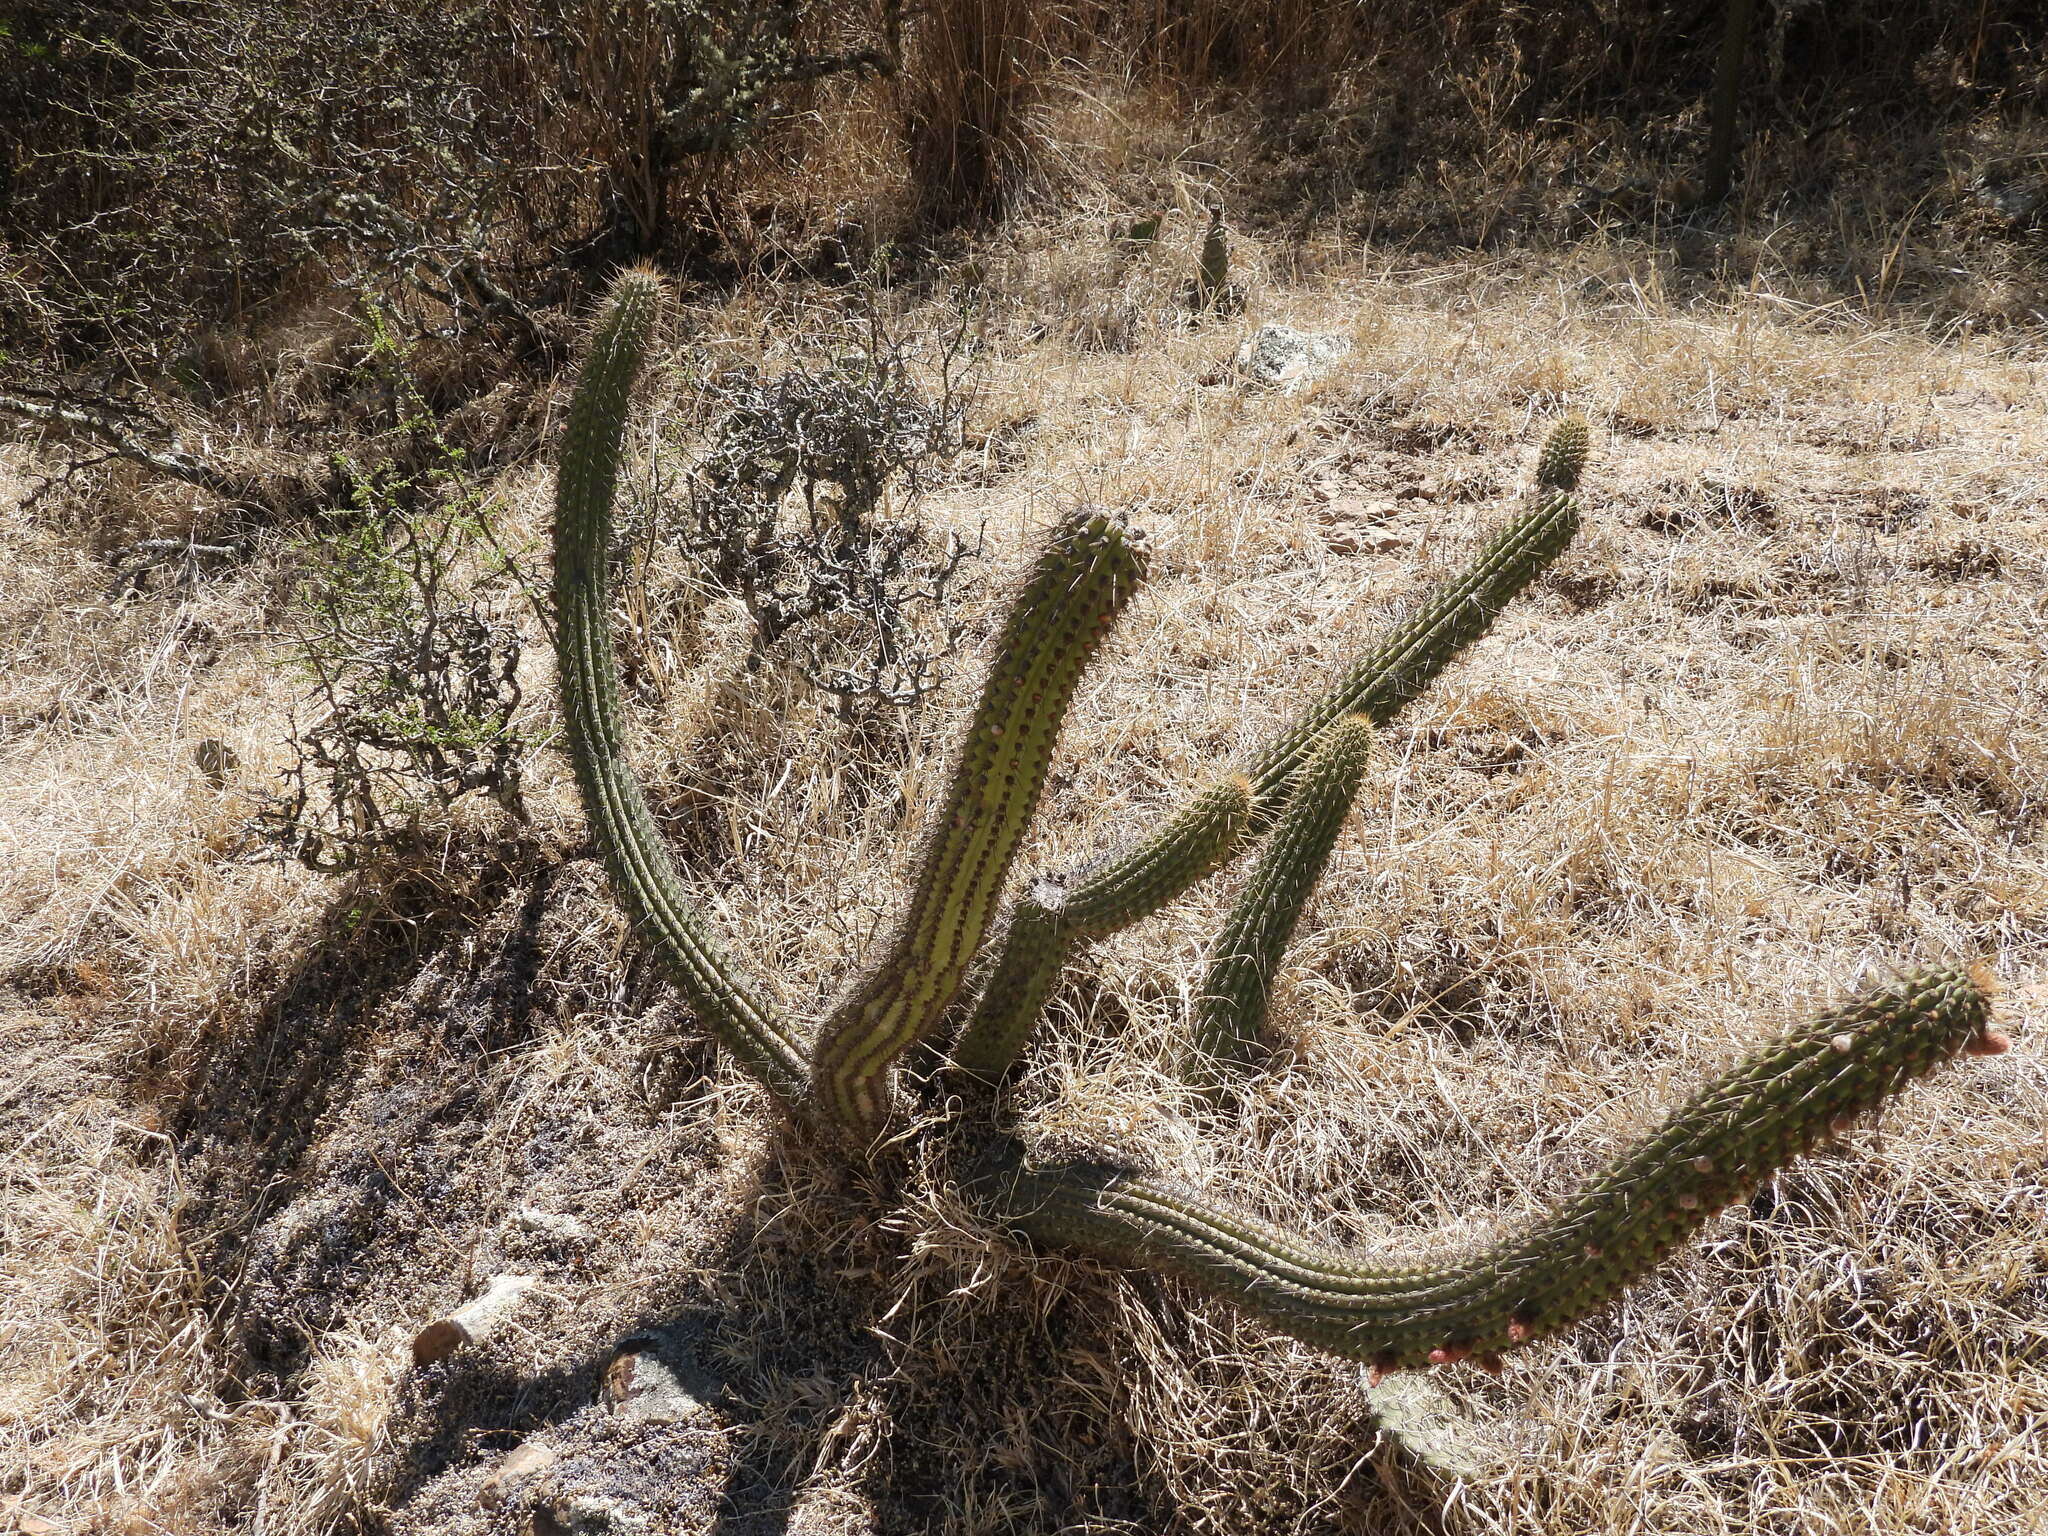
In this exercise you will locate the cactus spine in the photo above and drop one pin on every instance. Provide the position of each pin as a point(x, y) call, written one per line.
point(1378, 685)
point(1247, 953)
point(642, 876)
point(1084, 576)
point(1714, 1150)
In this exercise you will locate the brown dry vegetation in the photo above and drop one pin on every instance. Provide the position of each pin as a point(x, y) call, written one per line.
point(1779, 721)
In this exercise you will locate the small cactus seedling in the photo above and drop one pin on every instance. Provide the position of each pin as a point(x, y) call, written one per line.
point(1294, 793)
point(1212, 276)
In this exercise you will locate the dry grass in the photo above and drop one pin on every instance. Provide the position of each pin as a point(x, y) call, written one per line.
point(1778, 721)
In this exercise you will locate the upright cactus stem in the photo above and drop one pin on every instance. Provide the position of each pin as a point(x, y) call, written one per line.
point(1713, 1151)
point(642, 876)
point(1085, 574)
point(1563, 458)
point(1239, 987)
point(1212, 276)
point(1109, 894)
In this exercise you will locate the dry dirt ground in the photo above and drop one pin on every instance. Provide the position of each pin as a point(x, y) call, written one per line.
point(1778, 722)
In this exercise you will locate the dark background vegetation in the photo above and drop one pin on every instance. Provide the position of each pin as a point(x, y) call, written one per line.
point(199, 198)
point(170, 168)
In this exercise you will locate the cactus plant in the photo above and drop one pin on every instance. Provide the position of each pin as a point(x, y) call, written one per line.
point(1731, 1135)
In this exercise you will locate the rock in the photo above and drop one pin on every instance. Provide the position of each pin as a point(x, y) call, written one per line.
point(550, 1224)
point(1430, 1427)
point(1278, 356)
point(528, 1459)
point(474, 1321)
point(2014, 191)
point(1369, 541)
point(641, 1386)
point(1355, 526)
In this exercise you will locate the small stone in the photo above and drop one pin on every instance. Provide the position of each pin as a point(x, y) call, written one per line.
point(640, 1386)
point(1354, 539)
point(474, 1322)
point(550, 1224)
point(1843, 1044)
point(527, 1459)
point(1280, 356)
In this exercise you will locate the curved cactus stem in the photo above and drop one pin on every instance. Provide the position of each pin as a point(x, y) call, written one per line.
point(1246, 956)
point(643, 877)
point(1379, 685)
point(1711, 1152)
point(1081, 580)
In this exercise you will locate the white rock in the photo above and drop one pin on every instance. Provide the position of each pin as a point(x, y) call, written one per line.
point(1280, 356)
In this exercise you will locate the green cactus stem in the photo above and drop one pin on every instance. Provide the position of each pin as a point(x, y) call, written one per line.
point(1378, 685)
point(1563, 458)
point(1247, 953)
point(1108, 894)
point(1212, 276)
point(1713, 1151)
point(1080, 582)
point(643, 877)
point(1452, 616)
point(1113, 892)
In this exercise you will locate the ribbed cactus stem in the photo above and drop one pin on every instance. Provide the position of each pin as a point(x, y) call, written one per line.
point(1113, 892)
point(1563, 458)
point(1083, 576)
point(1212, 277)
point(1030, 952)
point(1239, 987)
point(1713, 1151)
point(643, 877)
point(1105, 896)
point(1451, 617)
point(1406, 659)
